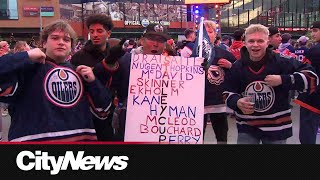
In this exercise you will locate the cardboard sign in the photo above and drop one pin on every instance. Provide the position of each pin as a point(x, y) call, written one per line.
point(165, 100)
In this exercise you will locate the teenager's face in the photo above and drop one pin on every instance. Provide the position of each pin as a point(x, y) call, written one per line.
point(275, 40)
point(211, 33)
point(153, 44)
point(98, 34)
point(256, 44)
point(193, 36)
point(315, 34)
point(58, 45)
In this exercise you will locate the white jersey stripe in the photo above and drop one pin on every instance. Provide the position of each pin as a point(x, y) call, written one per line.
point(263, 116)
point(53, 134)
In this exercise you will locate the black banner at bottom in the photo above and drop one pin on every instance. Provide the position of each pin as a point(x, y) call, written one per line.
point(157, 161)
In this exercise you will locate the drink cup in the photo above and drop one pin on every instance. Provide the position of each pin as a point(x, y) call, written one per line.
point(251, 98)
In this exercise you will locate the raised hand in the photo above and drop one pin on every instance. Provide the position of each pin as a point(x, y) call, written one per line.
point(224, 63)
point(36, 55)
point(115, 53)
point(273, 80)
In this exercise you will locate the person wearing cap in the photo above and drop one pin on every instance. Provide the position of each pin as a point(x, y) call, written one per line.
point(274, 37)
point(153, 41)
point(188, 43)
point(310, 104)
point(257, 89)
point(302, 49)
point(237, 44)
point(285, 43)
point(93, 52)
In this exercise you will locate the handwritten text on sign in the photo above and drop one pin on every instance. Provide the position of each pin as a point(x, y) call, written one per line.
point(165, 100)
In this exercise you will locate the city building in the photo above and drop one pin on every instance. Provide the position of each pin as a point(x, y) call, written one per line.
point(22, 19)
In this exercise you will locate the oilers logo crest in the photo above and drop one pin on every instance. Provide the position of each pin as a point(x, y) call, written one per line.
point(215, 75)
point(263, 95)
point(63, 87)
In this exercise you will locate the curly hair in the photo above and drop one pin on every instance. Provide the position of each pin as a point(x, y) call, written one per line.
point(102, 19)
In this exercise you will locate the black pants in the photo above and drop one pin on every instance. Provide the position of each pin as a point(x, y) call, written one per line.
point(103, 129)
point(219, 124)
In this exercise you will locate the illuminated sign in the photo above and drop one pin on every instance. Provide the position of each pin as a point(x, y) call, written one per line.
point(47, 11)
point(30, 11)
point(206, 1)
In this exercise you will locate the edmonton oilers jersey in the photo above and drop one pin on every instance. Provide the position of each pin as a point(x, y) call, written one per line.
point(49, 101)
point(271, 118)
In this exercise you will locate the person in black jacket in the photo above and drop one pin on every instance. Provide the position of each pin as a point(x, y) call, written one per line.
point(214, 105)
point(94, 51)
point(310, 104)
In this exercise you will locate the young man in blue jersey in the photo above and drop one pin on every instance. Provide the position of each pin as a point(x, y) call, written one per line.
point(188, 44)
point(49, 99)
point(257, 89)
point(310, 104)
point(302, 49)
point(214, 106)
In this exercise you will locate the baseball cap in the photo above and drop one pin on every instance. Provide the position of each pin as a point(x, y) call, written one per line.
point(285, 37)
point(303, 39)
point(315, 24)
point(156, 29)
point(273, 30)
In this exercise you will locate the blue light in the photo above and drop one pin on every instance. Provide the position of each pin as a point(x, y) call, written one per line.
point(196, 11)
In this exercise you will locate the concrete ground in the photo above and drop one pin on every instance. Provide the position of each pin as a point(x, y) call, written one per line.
point(232, 133)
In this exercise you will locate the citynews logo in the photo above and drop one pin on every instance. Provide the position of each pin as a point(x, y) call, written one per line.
point(27, 160)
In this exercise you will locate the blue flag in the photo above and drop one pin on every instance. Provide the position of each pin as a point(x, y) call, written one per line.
point(208, 51)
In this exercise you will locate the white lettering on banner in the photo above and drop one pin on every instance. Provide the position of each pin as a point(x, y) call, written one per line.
point(133, 23)
point(164, 23)
point(42, 161)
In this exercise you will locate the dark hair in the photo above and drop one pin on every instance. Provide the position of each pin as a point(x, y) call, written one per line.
point(187, 32)
point(238, 34)
point(58, 25)
point(225, 37)
point(102, 19)
point(132, 42)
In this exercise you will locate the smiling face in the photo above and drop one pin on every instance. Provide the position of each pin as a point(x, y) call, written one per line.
point(256, 44)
